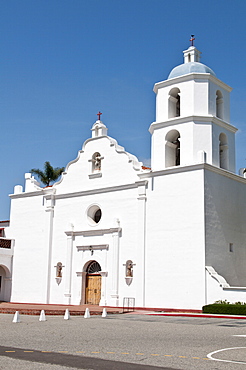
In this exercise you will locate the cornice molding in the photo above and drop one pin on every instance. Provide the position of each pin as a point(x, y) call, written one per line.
point(50, 192)
point(82, 193)
point(92, 247)
point(194, 77)
point(196, 119)
point(194, 167)
point(101, 190)
point(94, 232)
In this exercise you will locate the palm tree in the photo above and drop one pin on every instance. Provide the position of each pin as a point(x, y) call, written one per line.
point(49, 174)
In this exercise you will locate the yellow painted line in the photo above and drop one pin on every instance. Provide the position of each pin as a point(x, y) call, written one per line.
point(125, 353)
point(139, 353)
point(9, 351)
point(46, 351)
point(95, 352)
point(205, 358)
point(196, 358)
point(28, 351)
point(110, 352)
point(80, 351)
point(183, 356)
point(155, 354)
point(168, 355)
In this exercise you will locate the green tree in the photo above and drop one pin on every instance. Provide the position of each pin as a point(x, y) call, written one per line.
point(49, 174)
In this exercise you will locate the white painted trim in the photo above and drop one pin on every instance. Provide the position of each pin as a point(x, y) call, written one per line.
point(223, 283)
point(192, 76)
point(92, 247)
point(100, 190)
point(193, 119)
point(194, 167)
point(94, 232)
point(119, 149)
point(221, 280)
point(82, 193)
point(95, 175)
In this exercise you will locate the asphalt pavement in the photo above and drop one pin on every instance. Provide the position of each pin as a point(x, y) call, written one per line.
point(124, 341)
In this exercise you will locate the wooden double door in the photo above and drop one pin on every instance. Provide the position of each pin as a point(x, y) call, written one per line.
point(93, 289)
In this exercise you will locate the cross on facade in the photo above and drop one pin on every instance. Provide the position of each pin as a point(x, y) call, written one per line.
point(192, 40)
point(99, 115)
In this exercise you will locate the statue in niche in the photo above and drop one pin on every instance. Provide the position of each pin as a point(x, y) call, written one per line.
point(129, 268)
point(97, 161)
point(59, 269)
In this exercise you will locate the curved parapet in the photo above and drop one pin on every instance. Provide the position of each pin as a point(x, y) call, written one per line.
point(131, 158)
point(136, 165)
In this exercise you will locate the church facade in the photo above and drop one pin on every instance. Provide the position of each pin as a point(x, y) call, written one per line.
point(112, 231)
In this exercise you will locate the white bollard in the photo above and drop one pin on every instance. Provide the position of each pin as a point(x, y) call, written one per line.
point(87, 313)
point(104, 313)
point(16, 317)
point(67, 315)
point(42, 316)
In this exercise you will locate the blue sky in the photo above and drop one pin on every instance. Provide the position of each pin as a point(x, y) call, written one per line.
point(64, 60)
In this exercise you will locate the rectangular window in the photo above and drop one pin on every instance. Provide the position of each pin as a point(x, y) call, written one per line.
point(230, 247)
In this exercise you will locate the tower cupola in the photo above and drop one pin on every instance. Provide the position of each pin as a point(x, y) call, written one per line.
point(192, 117)
point(191, 64)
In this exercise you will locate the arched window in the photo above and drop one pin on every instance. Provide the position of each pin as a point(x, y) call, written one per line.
point(93, 268)
point(172, 150)
point(223, 151)
point(174, 103)
point(219, 105)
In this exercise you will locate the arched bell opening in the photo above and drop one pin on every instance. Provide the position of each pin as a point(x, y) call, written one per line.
point(174, 103)
point(219, 105)
point(172, 149)
point(223, 152)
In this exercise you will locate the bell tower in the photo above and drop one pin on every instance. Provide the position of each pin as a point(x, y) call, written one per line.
point(192, 118)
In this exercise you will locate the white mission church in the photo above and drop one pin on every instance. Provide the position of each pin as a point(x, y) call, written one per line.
point(172, 236)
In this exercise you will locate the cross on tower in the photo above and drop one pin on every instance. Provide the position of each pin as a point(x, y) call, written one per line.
point(192, 40)
point(99, 115)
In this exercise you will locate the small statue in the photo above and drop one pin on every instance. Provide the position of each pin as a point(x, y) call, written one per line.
point(97, 161)
point(59, 269)
point(129, 268)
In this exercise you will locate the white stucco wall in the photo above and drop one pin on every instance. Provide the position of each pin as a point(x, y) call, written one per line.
point(29, 283)
point(175, 252)
point(118, 209)
point(225, 212)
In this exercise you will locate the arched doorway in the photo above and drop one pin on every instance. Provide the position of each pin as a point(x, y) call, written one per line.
point(93, 283)
point(5, 287)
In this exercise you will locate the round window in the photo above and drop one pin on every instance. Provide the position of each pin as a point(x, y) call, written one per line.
point(94, 215)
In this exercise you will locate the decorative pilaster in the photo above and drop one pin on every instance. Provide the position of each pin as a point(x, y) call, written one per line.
point(115, 270)
point(48, 241)
point(140, 265)
point(68, 276)
point(103, 301)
